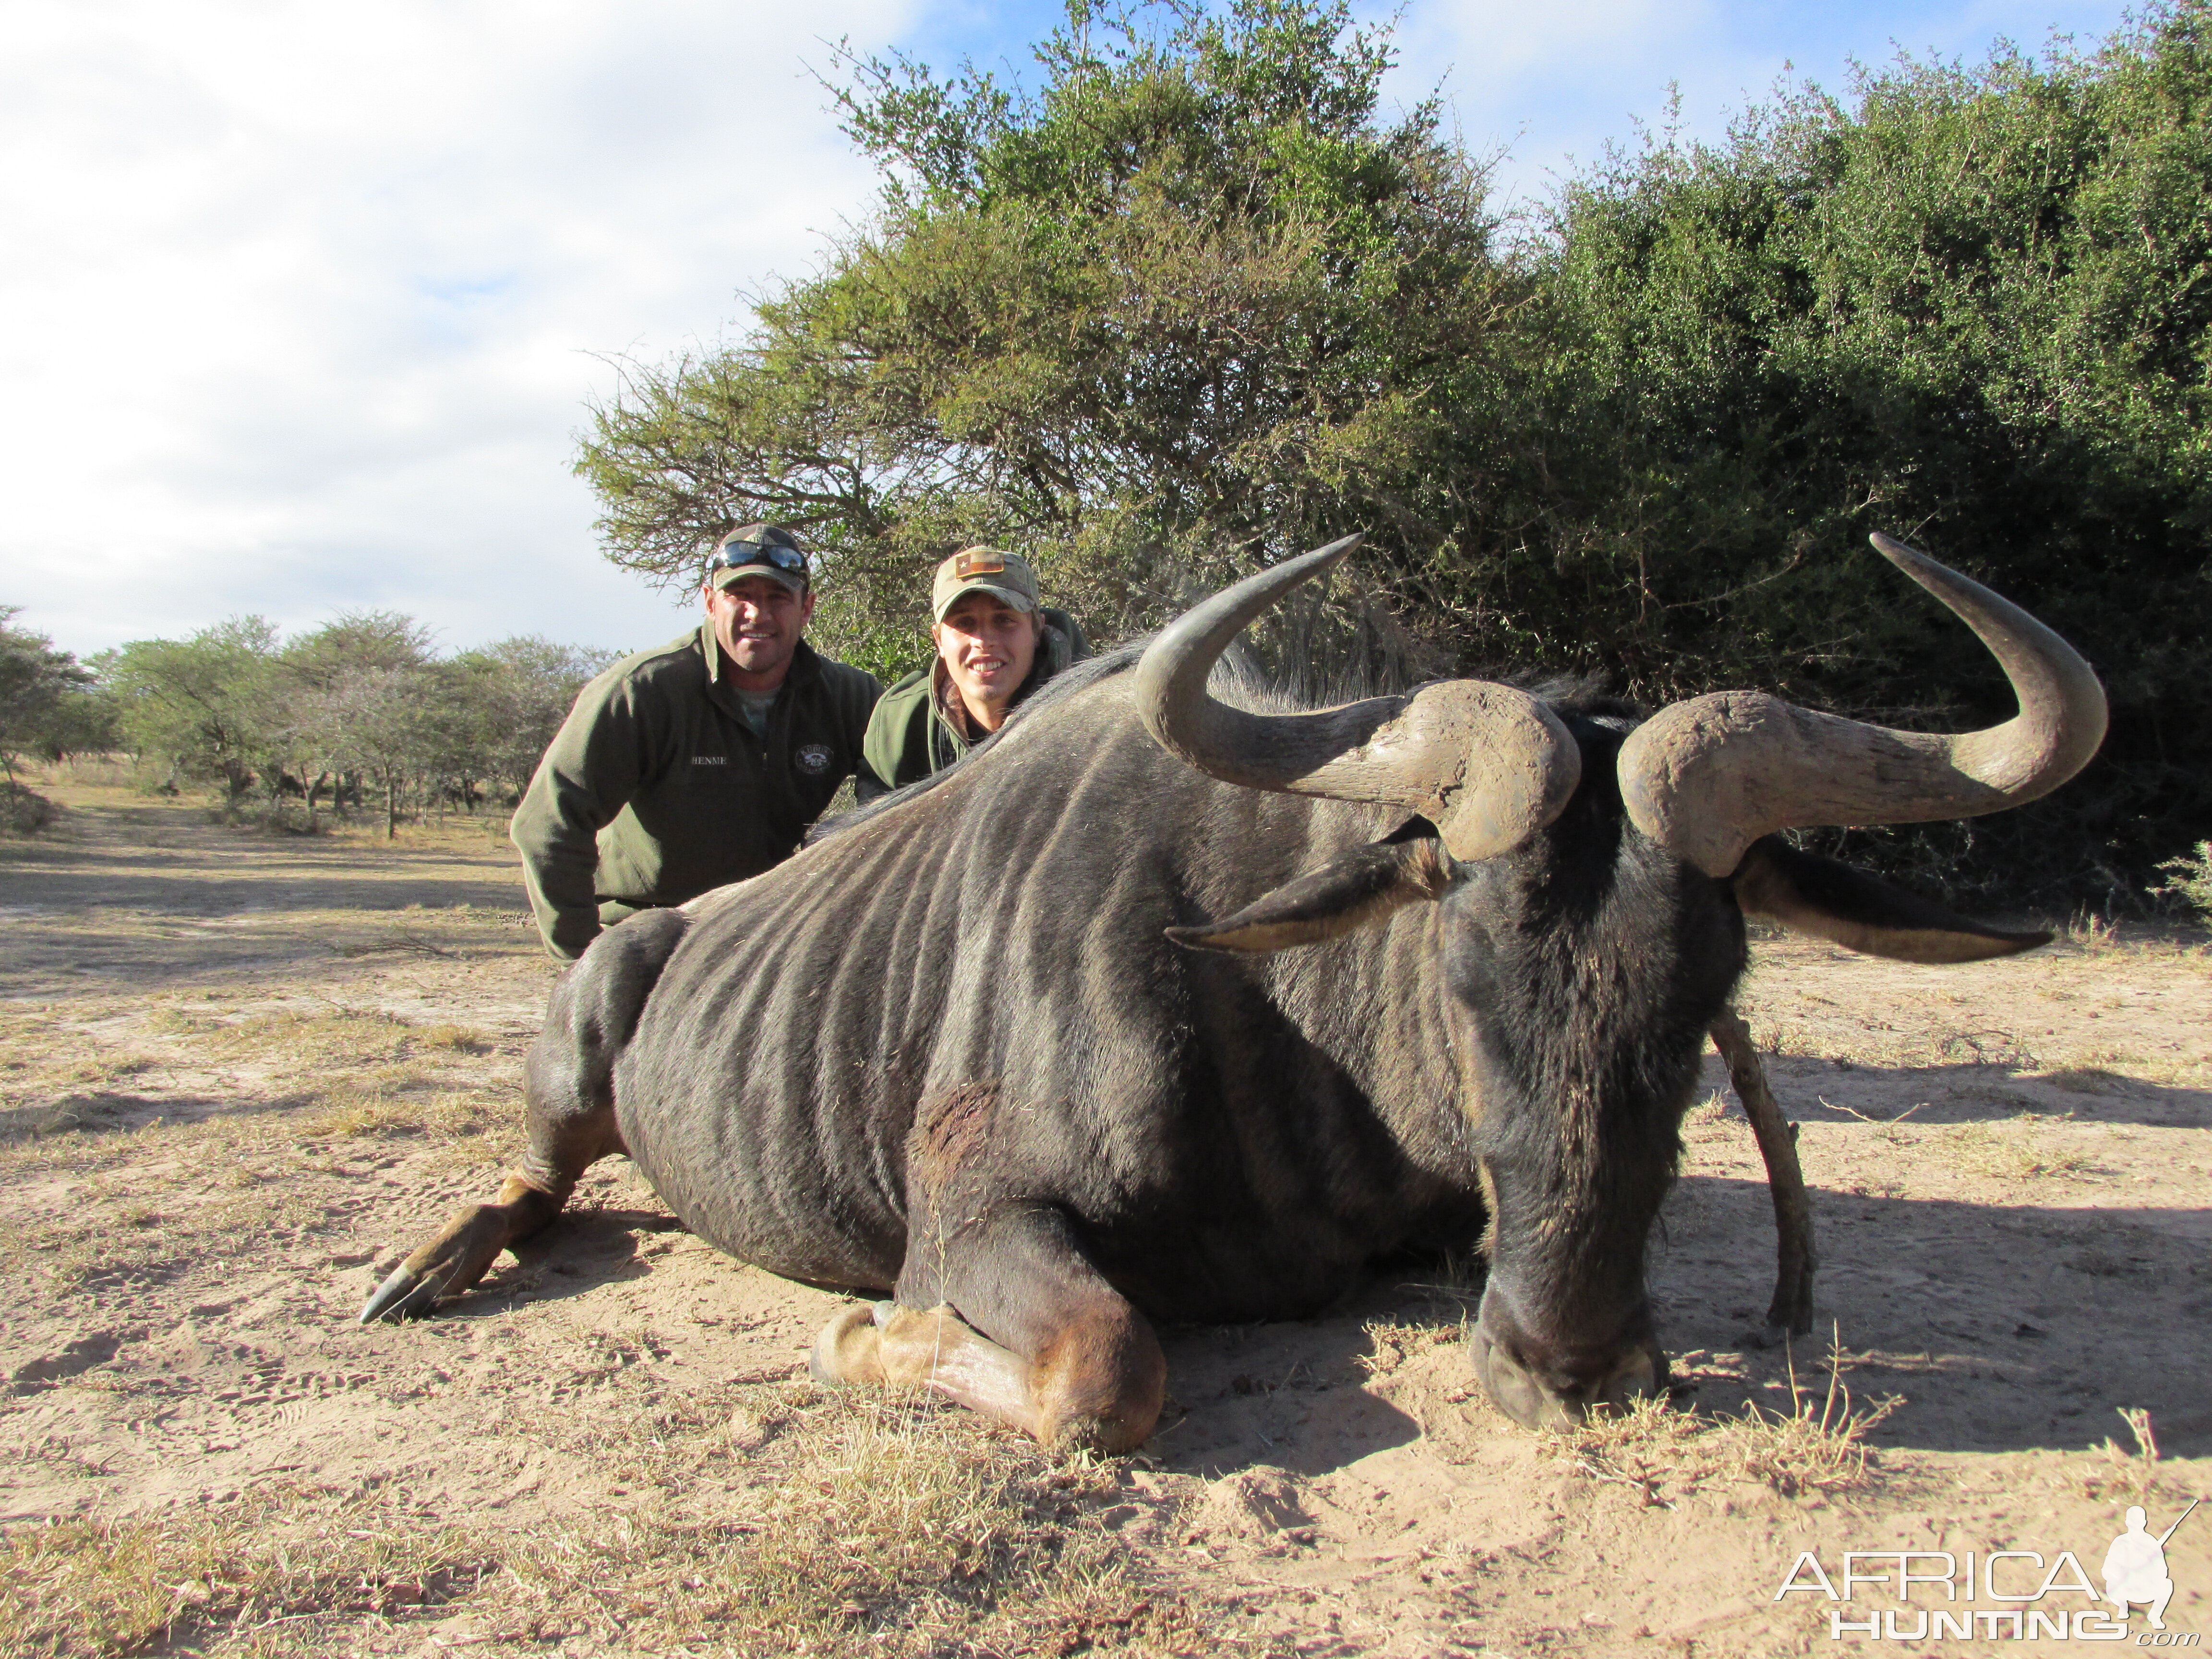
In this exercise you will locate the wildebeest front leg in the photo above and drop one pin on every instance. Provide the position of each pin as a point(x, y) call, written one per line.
point(569, 1085)
point(1791, 1309)
point(1001, 1312)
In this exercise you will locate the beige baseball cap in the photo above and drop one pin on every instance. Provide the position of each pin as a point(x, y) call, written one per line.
point(1005, 576)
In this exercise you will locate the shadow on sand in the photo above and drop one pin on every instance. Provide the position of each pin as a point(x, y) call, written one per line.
point(1996, 1327)
point(1820, 1090)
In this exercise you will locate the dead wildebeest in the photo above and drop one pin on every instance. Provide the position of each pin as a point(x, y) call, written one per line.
point(986, 1047)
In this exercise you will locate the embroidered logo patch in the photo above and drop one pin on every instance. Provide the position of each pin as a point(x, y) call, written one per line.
point(813, 759)
point(710, 759)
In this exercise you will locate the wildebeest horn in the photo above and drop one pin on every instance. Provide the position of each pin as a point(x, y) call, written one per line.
point(1708, 777)
point(1488, 765)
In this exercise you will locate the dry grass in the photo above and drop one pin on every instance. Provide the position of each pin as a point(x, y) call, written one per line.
point(2013, 1151)
point(1777, 1028)
point(1817, 1446)
point(261, 1575)
point(2041, 1011)
point(2114, 1067)
point(2130, 1477)
point(889, 1526)
point(244, 1195)
point(2093, 933)
point(1391, 1343)
point(371, 1108)
point(71, 1075)
point(1662, 1453)
point(221, 1179)
point(52, 1074)
point(1708, 1120)
point(338, 1036)
point(896, 1526)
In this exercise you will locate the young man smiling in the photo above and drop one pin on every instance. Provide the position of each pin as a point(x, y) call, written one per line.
point(996, 643)
point(700, 763)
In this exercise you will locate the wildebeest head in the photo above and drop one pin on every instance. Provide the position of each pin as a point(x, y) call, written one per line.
point(1593, 874)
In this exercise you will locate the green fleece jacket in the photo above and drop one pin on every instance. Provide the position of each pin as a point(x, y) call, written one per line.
point(909, 735)
point(655, 789)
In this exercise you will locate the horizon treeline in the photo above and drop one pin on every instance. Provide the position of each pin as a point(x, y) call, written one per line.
point(361, 713)
point(1192, 300)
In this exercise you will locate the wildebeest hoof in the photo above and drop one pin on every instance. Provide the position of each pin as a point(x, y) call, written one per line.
point(405, 1294)
point(850, 1347)
point(463, 1251)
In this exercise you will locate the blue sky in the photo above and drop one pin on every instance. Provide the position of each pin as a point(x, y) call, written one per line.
point(301, 306)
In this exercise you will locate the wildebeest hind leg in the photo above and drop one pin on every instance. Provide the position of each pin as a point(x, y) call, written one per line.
point(568, 1084)
point(1008, 1317)
point(932, 1349)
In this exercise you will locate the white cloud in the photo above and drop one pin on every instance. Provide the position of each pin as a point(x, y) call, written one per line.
point(298, 303)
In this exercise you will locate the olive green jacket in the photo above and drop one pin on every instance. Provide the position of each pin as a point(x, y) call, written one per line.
point(656, 790)
point(908, 737)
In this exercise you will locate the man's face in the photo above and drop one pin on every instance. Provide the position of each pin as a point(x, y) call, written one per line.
point(758, 621)
point(988, 647)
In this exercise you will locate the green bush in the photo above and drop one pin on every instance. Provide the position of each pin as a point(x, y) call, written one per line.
point(23, 810)
point(2190, 881)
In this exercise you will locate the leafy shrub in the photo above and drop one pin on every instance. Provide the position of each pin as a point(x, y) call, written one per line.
point(2191, 880)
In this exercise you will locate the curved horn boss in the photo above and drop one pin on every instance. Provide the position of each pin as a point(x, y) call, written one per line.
point(1487, 764)
point(1707, 777)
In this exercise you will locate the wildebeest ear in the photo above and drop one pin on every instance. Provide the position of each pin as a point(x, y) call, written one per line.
point(1861, 912)
point(1362, 887)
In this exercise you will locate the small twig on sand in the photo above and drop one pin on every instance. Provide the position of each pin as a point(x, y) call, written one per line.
point(1868, 1117)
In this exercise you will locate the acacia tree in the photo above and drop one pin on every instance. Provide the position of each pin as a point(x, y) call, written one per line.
point(204, 704)
point(512, 696)
point(364, 698)
point(41, 696)
point(380, 722)
point(311, 671)
point(1193, 292)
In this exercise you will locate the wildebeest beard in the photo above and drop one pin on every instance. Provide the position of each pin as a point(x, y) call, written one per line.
point(1590, 964)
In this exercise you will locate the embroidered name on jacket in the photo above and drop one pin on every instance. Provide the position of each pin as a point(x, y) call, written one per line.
point(710, 759)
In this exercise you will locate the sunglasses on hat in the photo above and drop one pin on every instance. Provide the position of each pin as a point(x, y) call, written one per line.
point(734, 554)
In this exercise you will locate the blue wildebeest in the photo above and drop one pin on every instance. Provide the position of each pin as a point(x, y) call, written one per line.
point(1163, 1009)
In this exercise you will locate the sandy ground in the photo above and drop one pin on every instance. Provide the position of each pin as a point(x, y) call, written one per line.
point(240, 1075)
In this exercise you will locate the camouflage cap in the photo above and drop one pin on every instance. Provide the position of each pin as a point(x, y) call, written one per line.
point(759, 549)
point(1004, 576)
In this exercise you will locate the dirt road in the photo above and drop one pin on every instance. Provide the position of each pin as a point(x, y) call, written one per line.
point(238, 1075)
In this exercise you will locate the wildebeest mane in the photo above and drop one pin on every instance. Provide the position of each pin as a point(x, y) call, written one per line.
point(1064, 685)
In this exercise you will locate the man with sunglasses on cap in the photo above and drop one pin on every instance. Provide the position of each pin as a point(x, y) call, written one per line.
point(996, 643)
point(698, 764)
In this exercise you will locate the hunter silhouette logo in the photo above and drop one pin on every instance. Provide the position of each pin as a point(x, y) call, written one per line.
point(2030, 1592)
point(2135, 1566)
